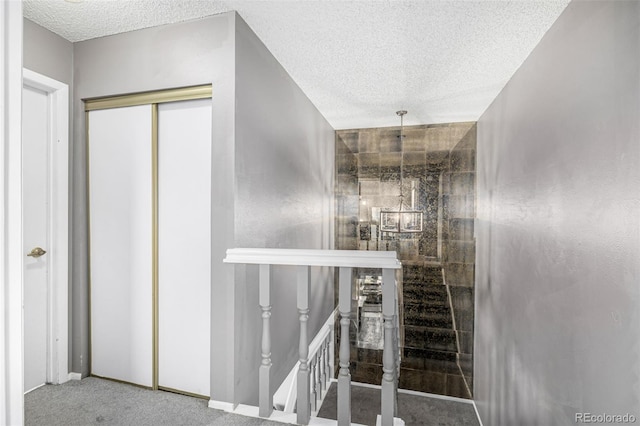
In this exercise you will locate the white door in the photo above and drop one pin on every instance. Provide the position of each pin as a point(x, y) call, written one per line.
point(35, 138)
point(120, 203)
point(184, 245)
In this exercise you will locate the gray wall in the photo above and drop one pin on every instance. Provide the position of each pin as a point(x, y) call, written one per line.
point(458, 247)
point(272, 179)
point(284, 159)
point(558, 258)
point(47, 53)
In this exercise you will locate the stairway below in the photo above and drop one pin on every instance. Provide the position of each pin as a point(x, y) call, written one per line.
point(429, 351)
point(430, 347)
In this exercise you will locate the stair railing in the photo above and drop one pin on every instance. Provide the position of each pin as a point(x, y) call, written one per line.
point(321, 355)
point(345, 260)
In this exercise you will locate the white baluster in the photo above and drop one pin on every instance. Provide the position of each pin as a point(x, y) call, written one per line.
point(318, 362)
point(388, 392)
point(313, 398)
point(303, 403)
point(323, 365)
point(344, 378)
point(264, 380)
point(328, 359)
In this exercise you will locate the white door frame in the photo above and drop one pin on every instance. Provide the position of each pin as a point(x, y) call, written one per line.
point(11, 260)
point(58, 215)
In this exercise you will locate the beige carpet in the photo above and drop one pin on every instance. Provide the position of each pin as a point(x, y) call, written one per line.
point(94, 401)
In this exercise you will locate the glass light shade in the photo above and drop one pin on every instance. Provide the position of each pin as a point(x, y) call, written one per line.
point(411, 221)
point(389, 221)
point(401, 221)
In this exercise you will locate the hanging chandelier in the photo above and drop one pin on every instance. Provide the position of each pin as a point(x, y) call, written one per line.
point(402, 219)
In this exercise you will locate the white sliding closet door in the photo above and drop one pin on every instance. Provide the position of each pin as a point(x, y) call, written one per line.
point(184, 245)
point(120, 202)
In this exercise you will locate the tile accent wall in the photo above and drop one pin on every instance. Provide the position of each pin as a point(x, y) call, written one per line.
point(439, 161)
point(346, 196)
point(459, 246)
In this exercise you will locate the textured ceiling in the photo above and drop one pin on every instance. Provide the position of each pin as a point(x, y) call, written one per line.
point(358, 61)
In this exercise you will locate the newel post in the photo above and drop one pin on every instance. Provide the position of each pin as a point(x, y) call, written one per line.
point(264, 380)
point(344, 377)
point(303, 404)
point(388, 392)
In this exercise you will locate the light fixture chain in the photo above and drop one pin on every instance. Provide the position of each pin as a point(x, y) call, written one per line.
point(401, 113)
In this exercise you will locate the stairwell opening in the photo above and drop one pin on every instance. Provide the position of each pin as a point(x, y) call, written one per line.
point(438, 264)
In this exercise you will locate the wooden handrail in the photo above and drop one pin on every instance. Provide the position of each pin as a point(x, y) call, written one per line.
point(311, 257)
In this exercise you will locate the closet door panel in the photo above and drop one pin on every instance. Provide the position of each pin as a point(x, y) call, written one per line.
point(120, 187)
point(184, 245)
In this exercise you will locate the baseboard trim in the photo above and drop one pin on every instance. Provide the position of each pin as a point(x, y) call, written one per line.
point(37, 387)
point(436, 396)
point(475, 407)
point(222, 405)
point(412, 392)
point(75, 376)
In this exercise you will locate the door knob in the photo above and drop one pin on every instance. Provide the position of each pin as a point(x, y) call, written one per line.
point(36, 252)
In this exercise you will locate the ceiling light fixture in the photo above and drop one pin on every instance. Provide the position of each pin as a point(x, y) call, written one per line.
point(401, 220)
